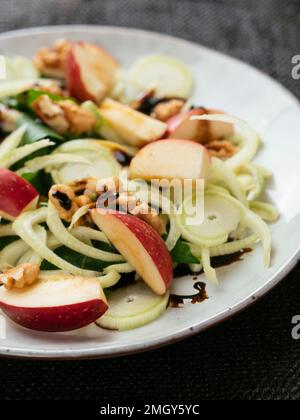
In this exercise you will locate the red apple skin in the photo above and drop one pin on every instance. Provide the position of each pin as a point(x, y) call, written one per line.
point(147, 238)
point(75, 85)
point(57, 318)
point(16, 194)
point(74, 77)
point(180, 126)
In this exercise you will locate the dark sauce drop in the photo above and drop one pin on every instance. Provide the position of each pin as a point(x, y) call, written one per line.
point(176, 301)
point(181, 270)
point(123, 158)
point(63, 199)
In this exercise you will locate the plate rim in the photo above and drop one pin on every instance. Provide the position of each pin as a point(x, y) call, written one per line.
point(196, 328)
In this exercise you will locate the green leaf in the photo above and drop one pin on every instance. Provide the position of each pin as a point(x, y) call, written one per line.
point(77, 259)
point(181, 254)
point(41, 181)
point(36, 130)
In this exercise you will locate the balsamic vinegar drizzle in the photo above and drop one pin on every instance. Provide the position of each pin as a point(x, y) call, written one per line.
point(176, 301)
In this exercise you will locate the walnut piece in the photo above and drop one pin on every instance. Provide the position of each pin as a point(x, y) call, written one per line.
point(64, 116)
point(165, 110)
point(221, 148)
point(20, 276)
point(64, 199)
point(51, 62)
point(8, 118)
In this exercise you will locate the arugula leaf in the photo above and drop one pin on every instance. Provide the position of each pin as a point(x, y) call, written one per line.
point(41, 181)
point(181, 254)
point(77, 259)
point(36, 130)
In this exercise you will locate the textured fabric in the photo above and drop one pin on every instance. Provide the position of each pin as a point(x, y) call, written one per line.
point(251, 356)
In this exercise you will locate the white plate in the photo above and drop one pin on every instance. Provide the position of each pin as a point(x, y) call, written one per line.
point(225, 83)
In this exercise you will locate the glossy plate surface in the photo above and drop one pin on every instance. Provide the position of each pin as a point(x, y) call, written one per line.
point(225, 83)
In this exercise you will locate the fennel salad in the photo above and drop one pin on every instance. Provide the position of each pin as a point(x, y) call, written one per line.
point(100, 166)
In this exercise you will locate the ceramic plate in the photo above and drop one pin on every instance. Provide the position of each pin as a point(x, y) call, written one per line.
point(221, 82)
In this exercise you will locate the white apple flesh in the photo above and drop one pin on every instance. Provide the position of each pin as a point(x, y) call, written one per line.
point(135, 128)
point(16, 195)
point(182, 127)
point(140, 245)
point(90, 72)
point(56, 304)
point(169, 159)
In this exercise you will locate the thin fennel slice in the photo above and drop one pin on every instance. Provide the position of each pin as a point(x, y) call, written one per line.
point(24, 227)
point(265, 210)
point(209, 271)
point(132, 307)
point(57, 159)
point(220, 172)
point(167, 75)
point(7, 230)
point(219, 219)
point(12, 141)
point(15, 155)
point(66, 238)
point(251, 139)
point(10, 255)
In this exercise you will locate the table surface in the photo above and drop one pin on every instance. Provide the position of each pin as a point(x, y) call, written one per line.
point(251, 356)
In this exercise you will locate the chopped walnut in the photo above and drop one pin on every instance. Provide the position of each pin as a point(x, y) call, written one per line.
point(63, 116)
point(80, 120)
point(64, 199)
point(142, 210)
point(167, 109)
point(51, 62)
point(20, 276)
point(221, 148)
point(112, 184)
point(8, 118)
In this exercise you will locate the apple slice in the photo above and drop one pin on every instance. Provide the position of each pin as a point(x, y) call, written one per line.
point(182, 127)
point(90, 72)
point(140, 245)
point(56, 304)
point(16, 195)
point(134, 127)
point(171, 159)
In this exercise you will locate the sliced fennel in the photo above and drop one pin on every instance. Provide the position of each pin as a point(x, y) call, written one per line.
point(226, 249)
point(257, 225)
point(30, 256)
point(250, 142)
point(10, 255)
point(209, 271)
point(20, 68)
point(14, 87)
point(78, 215)
point(66, 238)
point(132, 307)
point(7, 230)
point(221, 217)
point(86, 233)
point(167, 75)
point(102, 163)
point(57, 159)
point(265, 210)
point(119, 268)
point(12, 141)
point(24, 227)
point(10, 158)
point(221, 173)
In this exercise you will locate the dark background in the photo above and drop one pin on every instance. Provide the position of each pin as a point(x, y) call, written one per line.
point(249, 357)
